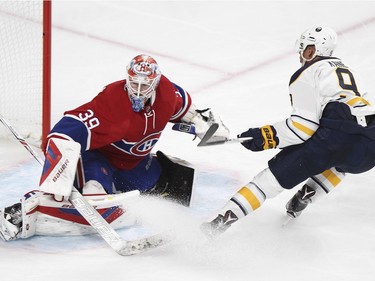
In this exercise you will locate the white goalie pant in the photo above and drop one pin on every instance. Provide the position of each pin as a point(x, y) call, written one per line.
point(42, 215)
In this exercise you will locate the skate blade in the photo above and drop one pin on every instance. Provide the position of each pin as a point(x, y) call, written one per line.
point(287, 221)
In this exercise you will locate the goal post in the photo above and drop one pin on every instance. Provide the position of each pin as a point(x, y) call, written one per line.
point(47, 44)
point(25, 65)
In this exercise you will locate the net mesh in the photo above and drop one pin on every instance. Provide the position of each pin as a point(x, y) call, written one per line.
point(21, 64)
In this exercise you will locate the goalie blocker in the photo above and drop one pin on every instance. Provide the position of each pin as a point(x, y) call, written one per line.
point(176, 180)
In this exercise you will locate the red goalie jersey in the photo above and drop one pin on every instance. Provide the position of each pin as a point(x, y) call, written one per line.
point(109, 124)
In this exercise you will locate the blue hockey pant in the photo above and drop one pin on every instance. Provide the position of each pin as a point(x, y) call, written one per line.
point(94, 166)
point(339, 142)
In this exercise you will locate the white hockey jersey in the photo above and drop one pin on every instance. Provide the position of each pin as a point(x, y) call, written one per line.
point(311, 88)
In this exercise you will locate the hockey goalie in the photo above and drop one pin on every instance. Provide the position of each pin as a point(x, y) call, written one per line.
point(103, 149)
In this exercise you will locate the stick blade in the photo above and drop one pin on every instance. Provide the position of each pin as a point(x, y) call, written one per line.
point(210, 132)
point(134, 247)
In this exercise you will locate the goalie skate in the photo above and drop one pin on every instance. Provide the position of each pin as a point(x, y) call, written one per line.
point(11, 222)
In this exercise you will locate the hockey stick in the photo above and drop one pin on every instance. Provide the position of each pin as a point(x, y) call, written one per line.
point(21, 140)
point(104, 229)
point(210, 132)
point(235, 140)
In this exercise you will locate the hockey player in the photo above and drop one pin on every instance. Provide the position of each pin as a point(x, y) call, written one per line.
point(105, 147)
point(329, 133)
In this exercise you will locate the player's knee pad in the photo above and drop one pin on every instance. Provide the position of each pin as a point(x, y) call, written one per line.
point(267, 183)
point(325, 182)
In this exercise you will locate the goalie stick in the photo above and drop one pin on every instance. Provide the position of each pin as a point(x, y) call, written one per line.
point(211, 131)
point(104, 229)
point(21, 140)
point(121, 246)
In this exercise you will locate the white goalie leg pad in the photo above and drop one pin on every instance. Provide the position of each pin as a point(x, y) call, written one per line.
point(93, 187)
point(96, 195)
point(42, 215)
point(60, 167)
point(325, 182)
point(30, 204)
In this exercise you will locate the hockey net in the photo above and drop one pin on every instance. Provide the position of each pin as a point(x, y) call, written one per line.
point(25, 32)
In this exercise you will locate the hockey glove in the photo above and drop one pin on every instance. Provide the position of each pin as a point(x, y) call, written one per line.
point(199, 121)
point(198, 124)
point(263, 138)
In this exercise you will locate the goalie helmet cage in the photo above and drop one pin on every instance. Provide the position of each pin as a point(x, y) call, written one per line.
point(25, 62)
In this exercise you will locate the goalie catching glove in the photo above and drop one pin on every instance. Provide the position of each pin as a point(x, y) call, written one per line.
point(262, 138)
point(197, 122)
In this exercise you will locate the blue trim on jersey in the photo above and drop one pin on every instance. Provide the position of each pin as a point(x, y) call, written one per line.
point(185, 102)
point(307, 65)
point(291, 129)
point(303, 118)
point(74, 129)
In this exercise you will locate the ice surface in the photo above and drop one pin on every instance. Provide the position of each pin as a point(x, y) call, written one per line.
point(236, 57)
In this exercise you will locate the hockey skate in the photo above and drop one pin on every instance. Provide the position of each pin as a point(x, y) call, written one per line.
point(219, 224)
point(299, 201)
point(11, 222)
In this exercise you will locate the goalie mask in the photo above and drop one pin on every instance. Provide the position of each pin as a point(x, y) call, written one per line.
point(143, 76)
point(324, 39)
